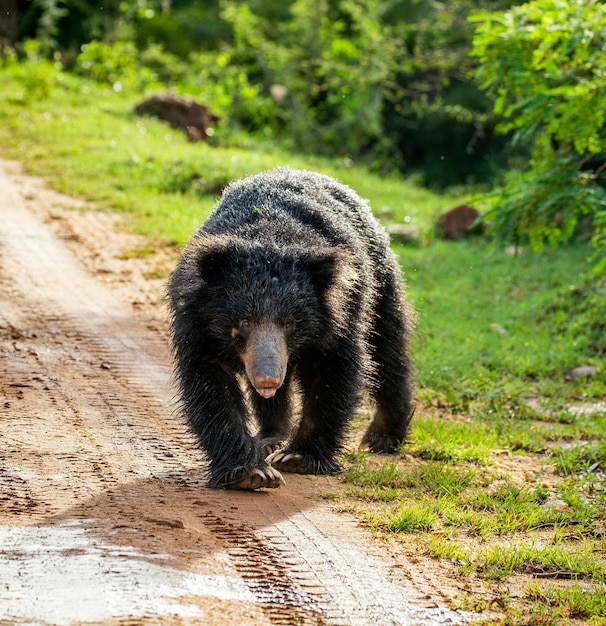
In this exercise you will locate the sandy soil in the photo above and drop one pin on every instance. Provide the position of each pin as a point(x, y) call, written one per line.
point(104, 516)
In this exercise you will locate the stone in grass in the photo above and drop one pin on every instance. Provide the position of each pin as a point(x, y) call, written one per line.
point(404, 233)
point(583, 371)
point(556, 505)
point(458, 223)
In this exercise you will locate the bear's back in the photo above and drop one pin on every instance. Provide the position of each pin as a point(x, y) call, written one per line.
point(292, 206)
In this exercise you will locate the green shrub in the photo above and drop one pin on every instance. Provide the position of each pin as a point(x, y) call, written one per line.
point(117, 64)
point(544, 65)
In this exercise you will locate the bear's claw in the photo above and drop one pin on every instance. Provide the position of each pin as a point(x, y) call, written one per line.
point(266, 478)
point(297, 463)
point(270, 445)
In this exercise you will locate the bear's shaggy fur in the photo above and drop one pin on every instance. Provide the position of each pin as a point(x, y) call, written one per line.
point(289, 285)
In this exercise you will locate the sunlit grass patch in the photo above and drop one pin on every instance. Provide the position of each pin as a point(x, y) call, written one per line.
point(586, 457)
point(497, 561)
point(476, 518)
point(577, 601)
point(429, 477)
point(407, 516)
point(458, 497)
point(510, 509)
point(488, 336)
point(363, 474)
point(556, 561)
point(451, 440)
point(440, 479)
point(139, 252)
point(443, 547)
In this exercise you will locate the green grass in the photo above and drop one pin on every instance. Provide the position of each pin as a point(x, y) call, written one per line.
point(438, 440)
point(89, 142)
point(498, 561)
point(485, 314)
point(502, 478)
point(556, 604)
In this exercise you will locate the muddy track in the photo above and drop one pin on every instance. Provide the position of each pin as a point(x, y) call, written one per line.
point(104, 516)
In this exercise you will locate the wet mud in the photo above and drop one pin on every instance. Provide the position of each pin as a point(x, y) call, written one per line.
point(104, 516)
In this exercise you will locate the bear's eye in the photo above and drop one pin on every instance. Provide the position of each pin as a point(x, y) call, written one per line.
point(244, 324)
point(289, 325)
point(241, 328)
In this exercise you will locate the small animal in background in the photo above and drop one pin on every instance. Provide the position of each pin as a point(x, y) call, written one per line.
point(289, 286)
point(193, 118)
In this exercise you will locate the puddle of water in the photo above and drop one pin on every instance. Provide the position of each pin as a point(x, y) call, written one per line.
point(62, 574)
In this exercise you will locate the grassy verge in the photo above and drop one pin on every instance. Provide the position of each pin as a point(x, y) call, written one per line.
point(88, 141)
point(502, 483)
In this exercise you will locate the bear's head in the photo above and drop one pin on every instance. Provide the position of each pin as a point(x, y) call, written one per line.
point(264, 304)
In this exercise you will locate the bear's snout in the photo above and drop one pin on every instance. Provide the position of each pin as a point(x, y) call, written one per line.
point(266, 358)
point(267, 380)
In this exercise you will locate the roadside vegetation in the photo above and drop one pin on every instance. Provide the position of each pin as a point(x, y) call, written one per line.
point(503, 480)
point(88, 140)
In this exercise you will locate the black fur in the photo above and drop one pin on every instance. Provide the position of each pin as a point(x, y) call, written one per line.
point(301, 253)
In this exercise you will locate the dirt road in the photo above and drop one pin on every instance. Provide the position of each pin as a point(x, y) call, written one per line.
point(104, 517)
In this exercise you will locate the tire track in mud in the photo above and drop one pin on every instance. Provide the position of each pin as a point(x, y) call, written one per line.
point(267, 571)
point(322, 559)
point(95, 468)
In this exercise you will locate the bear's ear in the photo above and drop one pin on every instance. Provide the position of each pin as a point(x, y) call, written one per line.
point(213, 256)
point(332, 270)
point(323, 267)
point(336, 280)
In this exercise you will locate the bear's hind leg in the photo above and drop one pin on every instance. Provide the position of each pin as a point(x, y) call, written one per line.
point(393, 391)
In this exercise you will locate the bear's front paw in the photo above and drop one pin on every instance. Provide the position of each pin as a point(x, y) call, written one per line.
point(256, 478)
point(297, 463)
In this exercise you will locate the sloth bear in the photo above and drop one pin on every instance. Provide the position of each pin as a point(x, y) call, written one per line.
point(289, 286)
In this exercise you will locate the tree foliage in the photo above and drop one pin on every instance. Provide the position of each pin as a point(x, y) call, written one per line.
point(384, 81)
point(544, 65)
point(326, 64)
point(438, 118)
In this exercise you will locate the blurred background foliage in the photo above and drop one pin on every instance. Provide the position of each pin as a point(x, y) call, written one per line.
point(476, 94)
point(384, 82)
